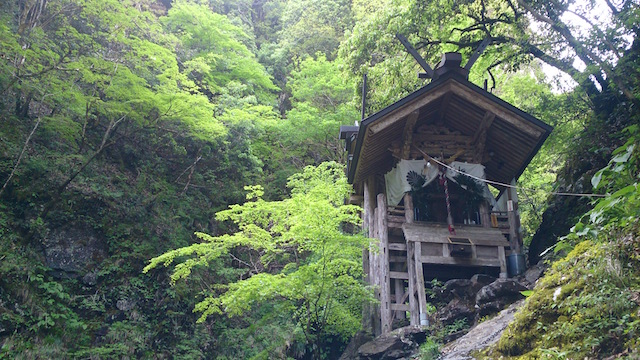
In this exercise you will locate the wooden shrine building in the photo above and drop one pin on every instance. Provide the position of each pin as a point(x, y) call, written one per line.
point(418, 168)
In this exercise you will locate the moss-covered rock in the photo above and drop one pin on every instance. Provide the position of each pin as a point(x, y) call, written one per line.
point(587, 306)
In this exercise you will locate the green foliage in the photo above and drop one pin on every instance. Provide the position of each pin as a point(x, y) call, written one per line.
point(213, 54)
point(146, 121)
point(586, 306)
point(312, 26)
point(618, 209)
point(429, 350)
point(301, 256)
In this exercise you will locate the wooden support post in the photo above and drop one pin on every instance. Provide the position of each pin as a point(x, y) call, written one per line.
point(383, 260)
point(368, 207)
point(514, 234)
point(414, 307)
point(480, 136)
point(445, 250)
point(414, 311)
point(503, 262)
point(399, 290)
point(407, 134)
point(408, 208)
point(422, 296)
point(485, 218)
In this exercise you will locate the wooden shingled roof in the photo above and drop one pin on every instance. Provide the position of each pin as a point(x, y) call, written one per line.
point(448, 108)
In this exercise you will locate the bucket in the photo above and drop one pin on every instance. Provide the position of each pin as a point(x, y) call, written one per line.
point(515, 264)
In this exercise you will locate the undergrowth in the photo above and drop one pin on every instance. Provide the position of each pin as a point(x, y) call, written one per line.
point(586, 307)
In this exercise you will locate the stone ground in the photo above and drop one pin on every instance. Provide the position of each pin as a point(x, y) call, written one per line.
point(481, 336)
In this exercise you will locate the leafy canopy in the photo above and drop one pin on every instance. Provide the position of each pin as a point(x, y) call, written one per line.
point(305, 259)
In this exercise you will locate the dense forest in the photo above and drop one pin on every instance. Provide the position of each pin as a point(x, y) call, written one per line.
point(172, 181)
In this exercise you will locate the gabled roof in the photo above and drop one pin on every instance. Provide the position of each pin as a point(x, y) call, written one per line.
point(513, 137)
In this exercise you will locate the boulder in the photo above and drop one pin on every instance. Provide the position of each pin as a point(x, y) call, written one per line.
point(480, 280)
point(459, 289)
point(401, 343)
point(90, 279)
point(69, 251)
point(351, 352)
point(125, 304)
point(532, 275)
point(495, 296)
point(454, 311)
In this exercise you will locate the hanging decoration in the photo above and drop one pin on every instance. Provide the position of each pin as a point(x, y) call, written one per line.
point(445, 183)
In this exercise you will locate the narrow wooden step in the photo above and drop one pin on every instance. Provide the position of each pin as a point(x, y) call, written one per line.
point(398, 275)
point(400, 307)
point(397, 246)
point(397, 259)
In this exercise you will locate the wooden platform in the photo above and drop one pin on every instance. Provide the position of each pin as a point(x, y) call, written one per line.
point(487, 245)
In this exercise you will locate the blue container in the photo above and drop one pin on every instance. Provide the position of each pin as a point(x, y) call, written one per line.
point(515, 264)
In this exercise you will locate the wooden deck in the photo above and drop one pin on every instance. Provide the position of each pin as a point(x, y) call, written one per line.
point(487, 245)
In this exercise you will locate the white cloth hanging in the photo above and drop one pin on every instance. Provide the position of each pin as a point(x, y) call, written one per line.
point(397, 184)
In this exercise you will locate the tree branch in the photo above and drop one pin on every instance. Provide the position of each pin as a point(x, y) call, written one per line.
point(25, 146)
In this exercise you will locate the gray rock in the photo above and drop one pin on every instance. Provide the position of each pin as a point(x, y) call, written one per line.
point(481, 336)
point(532, 274)
point(400, 343)
point(70, 250)
point(460, 288)
point(482, 280)
point(125, 304)
point(490, 308)
point(506, 290)
point(90, 279)
point(454, 311)
point(351, 352)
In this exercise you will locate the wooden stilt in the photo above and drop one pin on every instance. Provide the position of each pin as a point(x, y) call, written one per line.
point(485, 219)
point(422, 296)
point(385, 285)
point(414, 307)
point(399, 298)
point(503, 262)
point(514, 235)
point(368, 311)
point(411, 264)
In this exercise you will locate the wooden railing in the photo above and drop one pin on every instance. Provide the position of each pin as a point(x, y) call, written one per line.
point(396, 216)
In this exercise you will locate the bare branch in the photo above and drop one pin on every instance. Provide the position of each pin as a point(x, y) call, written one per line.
point(25, 146)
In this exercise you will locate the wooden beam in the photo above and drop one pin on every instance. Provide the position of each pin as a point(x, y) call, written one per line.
point(398, 275)
point(407, 134)
point(480, 137)
point(368, 309)
point(385, 279)
point(503, 262)
point(408, 208)
point(399, 298)
point(422, 294)
point(411, 267)
point(369, 223)
point(430, 259)
point(484, 125)
point(514, 234)
point(485, 219)
point(399, 247)
point(407, 45)
point(440, 234)
point(505, 114)
point(400, 307)
point(442, 111)
point(408, 109)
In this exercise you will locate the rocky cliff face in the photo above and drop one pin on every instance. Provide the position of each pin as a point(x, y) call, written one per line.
point(73, 251)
